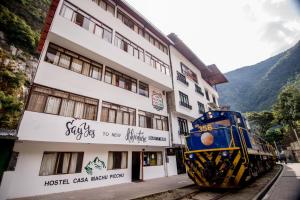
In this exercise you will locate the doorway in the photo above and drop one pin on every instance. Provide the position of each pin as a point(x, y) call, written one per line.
point(136, 166)
point(179, 161)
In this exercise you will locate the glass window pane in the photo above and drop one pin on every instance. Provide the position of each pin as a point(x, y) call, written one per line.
point(76, 65)
point(73, 163)
point(78, 111)
point(90, 112)
point(86, 69)
point(96, 73)
point(126, 118)
point(79, 18)
point(64, 61)
point(52, 55)
point(52, 105)
point(99, 31)
point(48, 164)
point(67, 12)
point(67, 108)
point(108, 77)
point(112, 116)
point(65, 164)
point(107, 35)
point(104, 114)
point(37, 102)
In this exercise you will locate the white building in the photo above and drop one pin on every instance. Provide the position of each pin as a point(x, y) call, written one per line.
point(97, 112)
point(193, 94)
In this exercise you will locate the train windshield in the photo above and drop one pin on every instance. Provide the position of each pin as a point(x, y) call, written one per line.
point(214, 134)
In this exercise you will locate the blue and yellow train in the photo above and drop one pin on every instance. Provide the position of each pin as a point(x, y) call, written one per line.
point(221, 152)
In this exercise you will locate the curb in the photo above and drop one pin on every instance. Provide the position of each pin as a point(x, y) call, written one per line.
point(158, 193)
point(266, 189)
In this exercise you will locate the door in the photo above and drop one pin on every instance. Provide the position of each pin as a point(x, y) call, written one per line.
point(179, 161)
point(136, 166)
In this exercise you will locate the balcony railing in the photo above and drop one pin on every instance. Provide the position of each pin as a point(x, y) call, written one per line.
point(186, 105)
point(182, 78)
point(198, 90)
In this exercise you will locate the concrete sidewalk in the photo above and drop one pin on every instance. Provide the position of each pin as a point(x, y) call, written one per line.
point(287, 186)
point(121, 191)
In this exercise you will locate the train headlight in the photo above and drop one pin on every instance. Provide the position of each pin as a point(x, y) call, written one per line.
point(225, 154)
point(207, 139)
point(192, 156)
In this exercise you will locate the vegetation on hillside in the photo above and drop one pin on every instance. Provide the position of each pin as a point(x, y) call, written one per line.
point(12, 82)
point(255, 88)
point(21, 21)
point(282, 123)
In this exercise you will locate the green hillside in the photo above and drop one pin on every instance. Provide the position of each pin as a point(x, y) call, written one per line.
point(255, 88)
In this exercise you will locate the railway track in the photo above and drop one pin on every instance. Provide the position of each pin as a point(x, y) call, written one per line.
point(192, 192)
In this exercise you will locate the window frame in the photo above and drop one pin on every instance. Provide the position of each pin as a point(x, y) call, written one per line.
point(113, 168)
point(51, 93)
point(183, 126)
point(116, 107)
point(79, 162)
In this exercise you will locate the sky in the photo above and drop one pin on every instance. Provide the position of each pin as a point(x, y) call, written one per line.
point(228, 33)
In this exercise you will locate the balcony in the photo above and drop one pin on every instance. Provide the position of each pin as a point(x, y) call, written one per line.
point(185, 105)
point(182, 78)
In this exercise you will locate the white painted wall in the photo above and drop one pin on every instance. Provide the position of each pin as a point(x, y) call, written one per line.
point(180, 111)
point(189, 90)
point(172, 167)
point(25, 180)
point(63, 79)
point(63, 32)
point(52, 128)
point(177, 138)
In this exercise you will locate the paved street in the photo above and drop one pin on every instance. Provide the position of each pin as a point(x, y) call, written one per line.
point(287, 186)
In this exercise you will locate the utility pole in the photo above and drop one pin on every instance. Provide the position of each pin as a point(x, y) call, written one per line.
point(276, 148)
point(295, 132)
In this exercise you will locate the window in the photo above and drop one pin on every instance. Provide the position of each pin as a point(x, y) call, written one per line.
point(150, 120)
point(198, 89)
point(136, 28)
point(120, 80)
point(182, 78)
point(183, 126)
point(117, 114)
point(128, 46)
point(143, 89)
point(156, 63)
point(214, 99)
point(46, 100)
point(189, 73)
point(153, 158)
point(61, 163)
point(207, 95)
point(86, 21)
point(201, 108)
point(117, 160)
point(106, 6)
point(64, 58)
point(184, 100)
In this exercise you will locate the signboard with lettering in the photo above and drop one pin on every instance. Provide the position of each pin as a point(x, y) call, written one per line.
point(157, 101)
point(65, 129)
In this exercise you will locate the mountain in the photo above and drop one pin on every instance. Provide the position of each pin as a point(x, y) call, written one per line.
point(255, 87)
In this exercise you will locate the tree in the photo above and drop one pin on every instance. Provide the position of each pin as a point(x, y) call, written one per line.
point(287, 107)
point(262, 121)
point(17, 31)
point(11, 86)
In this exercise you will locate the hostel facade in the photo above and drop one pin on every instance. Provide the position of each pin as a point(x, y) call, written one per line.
point(105, 104)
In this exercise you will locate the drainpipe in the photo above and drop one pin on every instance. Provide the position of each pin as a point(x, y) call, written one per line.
point(170, 117)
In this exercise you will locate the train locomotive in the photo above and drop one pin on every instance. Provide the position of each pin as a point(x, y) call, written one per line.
point(221, 152)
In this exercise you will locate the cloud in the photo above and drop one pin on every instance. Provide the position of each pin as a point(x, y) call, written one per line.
point(281, 28)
